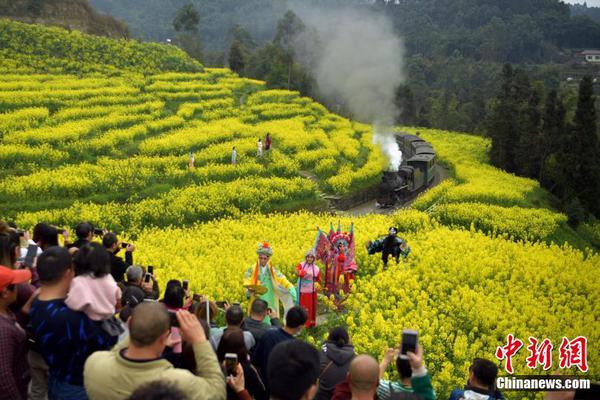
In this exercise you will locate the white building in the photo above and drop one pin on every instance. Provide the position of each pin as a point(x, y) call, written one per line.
point(591, 56)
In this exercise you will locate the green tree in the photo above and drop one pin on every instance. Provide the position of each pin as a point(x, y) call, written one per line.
point(186, 19)
point(288, 28)
point(405, 102)
point(35, 7)
point(186, 23)
point(583, 155)
point(237, 57)
point(553, 127)
point(527, 147)
point(503, 127)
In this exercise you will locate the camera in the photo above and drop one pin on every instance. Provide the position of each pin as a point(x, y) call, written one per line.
point(124, 245)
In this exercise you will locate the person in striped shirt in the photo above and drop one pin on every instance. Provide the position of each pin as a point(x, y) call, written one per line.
point(414, 383)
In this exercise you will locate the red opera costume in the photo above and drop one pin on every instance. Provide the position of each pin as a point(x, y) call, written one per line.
point(336, 250)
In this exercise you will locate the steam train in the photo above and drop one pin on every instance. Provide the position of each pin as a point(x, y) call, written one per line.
point(415, 174)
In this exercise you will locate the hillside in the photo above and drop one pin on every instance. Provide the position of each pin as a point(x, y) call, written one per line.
point(101, 130)
point(35, 49)
point(69, 14)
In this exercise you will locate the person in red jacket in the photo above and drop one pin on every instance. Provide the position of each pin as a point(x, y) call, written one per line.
point(309, 281)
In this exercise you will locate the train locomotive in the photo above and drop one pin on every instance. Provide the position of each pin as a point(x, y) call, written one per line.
point(415, 174)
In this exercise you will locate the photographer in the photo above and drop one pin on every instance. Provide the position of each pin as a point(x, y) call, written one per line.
point(146, 281)
point(85, 234)
point(118, 373)
point(255, 324)
point(117, 266)
point(414, 378)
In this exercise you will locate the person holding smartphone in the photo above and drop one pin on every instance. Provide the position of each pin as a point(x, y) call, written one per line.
point(136, 277)
point(414, 377)
point(231, 352)
point(113, 246)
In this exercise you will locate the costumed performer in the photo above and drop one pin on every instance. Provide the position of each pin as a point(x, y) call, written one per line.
point(263, 277)
point(309, 280)
point(336, 251)
point(390, 245)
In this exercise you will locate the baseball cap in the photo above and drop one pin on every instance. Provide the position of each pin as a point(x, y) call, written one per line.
point(13, 276)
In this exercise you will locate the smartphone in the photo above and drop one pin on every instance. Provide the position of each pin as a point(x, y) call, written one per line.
point(98, 232)
point(409, 343)
point(147, 278)
point(221, 304)
point(231, 363)
point(124, 245)
point(150, 269)
point(196, 297)
point(31, 254)
point(185, 285)
point(173, 320)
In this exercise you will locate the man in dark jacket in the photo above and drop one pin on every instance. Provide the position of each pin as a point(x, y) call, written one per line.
point(85, 234)
point(294, 322)
point(255, 322)
point(335, 358)
point(117, 266)
point(481, 384)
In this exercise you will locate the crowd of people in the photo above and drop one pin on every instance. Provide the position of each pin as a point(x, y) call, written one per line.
point(81, 322)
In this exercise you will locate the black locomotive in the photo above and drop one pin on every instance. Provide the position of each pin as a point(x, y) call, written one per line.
point(415, 174)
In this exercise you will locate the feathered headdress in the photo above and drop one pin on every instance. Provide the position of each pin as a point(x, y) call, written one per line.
point(264, 248)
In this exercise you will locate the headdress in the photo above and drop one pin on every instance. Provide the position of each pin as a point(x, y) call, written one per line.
point(264, 248)
point(311, 252)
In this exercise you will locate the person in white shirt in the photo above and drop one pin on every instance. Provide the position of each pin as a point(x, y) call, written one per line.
point(259, 152)
point(234, 156)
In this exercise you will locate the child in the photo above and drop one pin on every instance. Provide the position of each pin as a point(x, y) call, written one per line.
point(93, 290)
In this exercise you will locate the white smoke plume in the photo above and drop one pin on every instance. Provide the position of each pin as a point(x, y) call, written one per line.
point(357, 59)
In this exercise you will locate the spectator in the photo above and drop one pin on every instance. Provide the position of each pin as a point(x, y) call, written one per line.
point(335, 358)
point(294, 322)
point(233, 156)
point(116, 374)
point(9, 248)
point(259, 148)
point(362, 380)
point(117, 266)
point(46, 236)
point(233, 341)
point(212, 309)
point(93, 290)
point(158, 390)
point(136, 278)
point(481, 383)
point(413, 377)
point(64, 337)
point(85, 234)
point(255, 322)
point(293, 371)
point(268, 142)
point(234, 318)
point(14, 376)
point(132, 297)
point(174, 300)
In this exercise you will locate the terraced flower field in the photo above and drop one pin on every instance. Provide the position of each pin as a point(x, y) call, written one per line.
point(98, 130)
